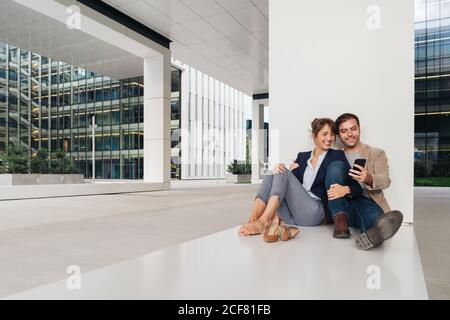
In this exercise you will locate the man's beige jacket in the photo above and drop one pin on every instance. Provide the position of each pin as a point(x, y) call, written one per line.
point(377, 165)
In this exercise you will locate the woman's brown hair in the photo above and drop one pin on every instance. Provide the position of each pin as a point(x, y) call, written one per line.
point(319, 123)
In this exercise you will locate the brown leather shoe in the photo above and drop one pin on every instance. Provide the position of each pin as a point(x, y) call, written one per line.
point(341, 229)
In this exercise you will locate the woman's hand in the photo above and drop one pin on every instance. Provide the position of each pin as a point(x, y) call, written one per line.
point(279, 168)
point(337, 191)
point(294, 165)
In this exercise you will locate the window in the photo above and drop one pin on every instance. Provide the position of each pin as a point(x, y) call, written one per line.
point(115, 115)
point(115, 90)
point(115, 140)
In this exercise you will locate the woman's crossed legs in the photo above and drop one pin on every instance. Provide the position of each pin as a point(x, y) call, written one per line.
point(282, 195)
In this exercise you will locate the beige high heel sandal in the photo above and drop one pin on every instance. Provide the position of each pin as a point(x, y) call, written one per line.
point(272, 231)
point(287, 233)
point(277, 230)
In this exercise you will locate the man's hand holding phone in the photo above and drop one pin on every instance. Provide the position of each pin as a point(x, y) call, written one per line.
point(359, 173)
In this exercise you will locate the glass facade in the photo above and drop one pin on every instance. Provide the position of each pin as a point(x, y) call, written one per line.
point(50, 104)
point(432, 88)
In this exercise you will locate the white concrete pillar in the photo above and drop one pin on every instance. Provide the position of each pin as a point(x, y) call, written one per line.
point(192, 122)
point(157, 119)
point(211, 138)
point(371, 74)
point(199, 125)
point(233, 155)
point(186, 152)
point(205, 121)
point(257, 140)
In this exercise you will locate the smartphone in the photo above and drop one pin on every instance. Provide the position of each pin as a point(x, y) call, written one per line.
point(359, 162)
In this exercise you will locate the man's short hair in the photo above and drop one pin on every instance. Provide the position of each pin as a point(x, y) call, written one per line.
point(345, 117)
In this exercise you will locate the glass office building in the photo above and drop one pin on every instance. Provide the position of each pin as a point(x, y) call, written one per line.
point(50, 104)
point(432, 85)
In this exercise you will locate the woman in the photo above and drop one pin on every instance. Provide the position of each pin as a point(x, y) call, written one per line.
point(299, 196)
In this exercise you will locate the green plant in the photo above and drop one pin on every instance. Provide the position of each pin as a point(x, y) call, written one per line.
point(70, 167)
point(237, 167)
point(423, 182)
point(247, 149)
point(432, 182)
point(39, 162)
point(61, 165)
point(15, 159)
point(441, 168)
point(420, 170)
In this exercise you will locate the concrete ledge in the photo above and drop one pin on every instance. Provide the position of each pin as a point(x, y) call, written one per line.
point(70, 190)
point(238, 178)
point(432, 190)
point(39, 179)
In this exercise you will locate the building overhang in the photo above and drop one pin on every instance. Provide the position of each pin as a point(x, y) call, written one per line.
point(74, 33)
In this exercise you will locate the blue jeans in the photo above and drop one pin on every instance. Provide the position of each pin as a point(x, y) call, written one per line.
point(362, 212)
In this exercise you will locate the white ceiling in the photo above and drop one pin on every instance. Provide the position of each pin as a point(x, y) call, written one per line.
point(227, 39)
point(26, 28)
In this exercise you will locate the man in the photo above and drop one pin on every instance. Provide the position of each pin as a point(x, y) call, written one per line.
point(369, 212)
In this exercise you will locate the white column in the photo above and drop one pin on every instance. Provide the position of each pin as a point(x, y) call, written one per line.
point(199, 126)
point(211, 129)
point(244, 131)
point(157, 119)
point(257, 140)
point(205, 121)
point(228, 125)
point(222, 130)
point(371, 74)
point(241, 145)
point(232, 137)
point(186, 151)
point(192, 123)
point(218, 157)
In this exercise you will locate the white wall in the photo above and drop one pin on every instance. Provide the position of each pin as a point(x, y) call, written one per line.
point(325, 60)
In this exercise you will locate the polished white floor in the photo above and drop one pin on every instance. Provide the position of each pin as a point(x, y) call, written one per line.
point(227, 266)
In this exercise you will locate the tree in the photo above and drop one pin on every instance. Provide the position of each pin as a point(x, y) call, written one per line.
point(15, 159)
point(62, 165)
point(39, 162)
point(420, 170)
point(441, 168)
